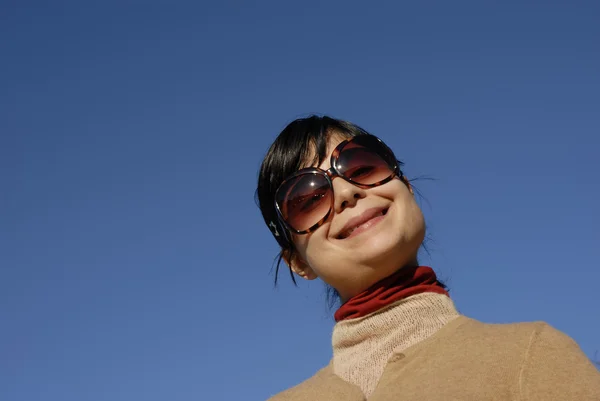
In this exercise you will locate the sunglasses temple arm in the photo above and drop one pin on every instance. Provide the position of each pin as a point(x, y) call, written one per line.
point(279, 230)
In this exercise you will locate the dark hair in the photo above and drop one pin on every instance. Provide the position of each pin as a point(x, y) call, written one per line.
point(289, 153)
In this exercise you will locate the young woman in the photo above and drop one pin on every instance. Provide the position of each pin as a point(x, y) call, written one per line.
point(338, 204)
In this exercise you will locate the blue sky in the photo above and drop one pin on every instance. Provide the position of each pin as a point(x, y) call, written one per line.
point(133, 260)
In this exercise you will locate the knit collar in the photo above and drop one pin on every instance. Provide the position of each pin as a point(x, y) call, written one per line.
point(404, 283)
point(362, 346)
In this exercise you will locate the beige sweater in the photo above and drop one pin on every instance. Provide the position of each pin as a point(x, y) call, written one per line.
point(463, 360)
point(362, 346)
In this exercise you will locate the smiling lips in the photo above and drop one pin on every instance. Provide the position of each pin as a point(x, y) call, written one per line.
point(358, 224)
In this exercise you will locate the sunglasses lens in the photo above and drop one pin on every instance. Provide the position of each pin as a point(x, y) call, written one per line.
point(365, 160)
point(304, 200)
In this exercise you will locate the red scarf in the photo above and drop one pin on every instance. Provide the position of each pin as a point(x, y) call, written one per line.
point(402, 284)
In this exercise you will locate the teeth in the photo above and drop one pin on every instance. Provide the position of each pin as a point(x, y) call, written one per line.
point(347, 233)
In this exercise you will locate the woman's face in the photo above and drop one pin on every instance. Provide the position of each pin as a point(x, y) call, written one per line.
point(351, 261)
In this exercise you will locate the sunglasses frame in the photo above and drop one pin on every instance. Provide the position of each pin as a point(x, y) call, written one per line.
point(330, 174)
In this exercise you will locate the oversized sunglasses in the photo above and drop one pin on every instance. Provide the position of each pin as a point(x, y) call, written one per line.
point(304, 201)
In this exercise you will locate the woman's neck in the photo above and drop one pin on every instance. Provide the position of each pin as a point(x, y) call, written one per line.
point(344, 298)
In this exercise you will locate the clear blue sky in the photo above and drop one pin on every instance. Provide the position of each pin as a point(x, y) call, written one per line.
point(134, 264)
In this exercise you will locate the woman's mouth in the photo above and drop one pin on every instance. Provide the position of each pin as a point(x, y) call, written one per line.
point(362, 223)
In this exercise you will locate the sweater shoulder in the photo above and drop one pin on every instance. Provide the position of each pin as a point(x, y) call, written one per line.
point(323, 385)
point(302, 389)
point(557, 369)
point(293, 393)
point(468, 337)
point(500, 332)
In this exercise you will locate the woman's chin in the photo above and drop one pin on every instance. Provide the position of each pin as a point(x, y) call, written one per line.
point(376, 248)
point(387, 250)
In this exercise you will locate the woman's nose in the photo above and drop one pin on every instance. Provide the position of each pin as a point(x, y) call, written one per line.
point(345, 194)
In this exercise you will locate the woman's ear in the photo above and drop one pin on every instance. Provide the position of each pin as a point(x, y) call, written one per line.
point(298, 265)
